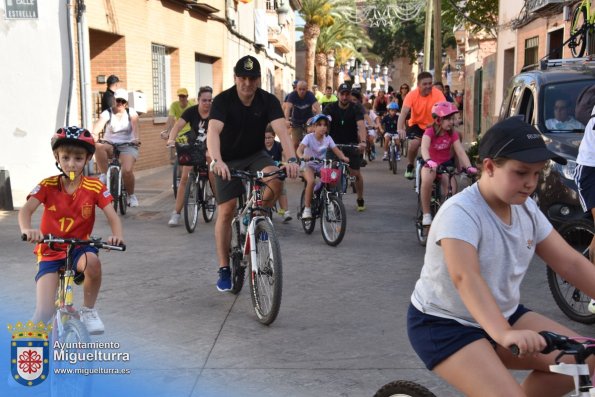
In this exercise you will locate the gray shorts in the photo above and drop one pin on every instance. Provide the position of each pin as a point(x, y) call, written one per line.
point(229, 190)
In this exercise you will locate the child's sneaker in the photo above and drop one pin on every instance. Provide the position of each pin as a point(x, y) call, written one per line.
point(91, 319)
point(385, 156)
point(426, 220)
point(360, 205)
point(224, 282)
point(175, 219)
point(409, 172)
point(307, 213)
point(133, 201)
point(286, 216)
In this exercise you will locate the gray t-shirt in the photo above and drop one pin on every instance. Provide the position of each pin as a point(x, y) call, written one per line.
point(504, 251)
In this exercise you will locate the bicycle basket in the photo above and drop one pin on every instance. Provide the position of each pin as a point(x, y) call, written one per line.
point(191, 153)
point(330, 175)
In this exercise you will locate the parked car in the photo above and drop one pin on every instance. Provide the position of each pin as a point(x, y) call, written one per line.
point(534, 95)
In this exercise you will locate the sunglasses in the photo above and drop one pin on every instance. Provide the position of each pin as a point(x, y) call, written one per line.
point(122, 101)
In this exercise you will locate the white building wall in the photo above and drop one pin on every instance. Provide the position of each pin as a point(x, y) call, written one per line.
point(508, 10)
point(35, 74)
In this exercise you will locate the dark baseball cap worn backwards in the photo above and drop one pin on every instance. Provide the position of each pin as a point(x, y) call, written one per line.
point(247, 66)
point(514, 139)
point(344, 87)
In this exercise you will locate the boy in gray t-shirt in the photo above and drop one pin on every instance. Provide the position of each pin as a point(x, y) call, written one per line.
point(465, 311)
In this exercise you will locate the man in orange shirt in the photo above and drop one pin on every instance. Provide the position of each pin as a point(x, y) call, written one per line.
point(419, 103)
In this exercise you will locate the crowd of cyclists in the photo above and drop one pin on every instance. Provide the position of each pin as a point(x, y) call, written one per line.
point(248, 128)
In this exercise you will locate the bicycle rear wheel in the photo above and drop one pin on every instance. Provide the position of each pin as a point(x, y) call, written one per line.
point(114, 178)
point(579, 43)
point(123, 199)
point(573, 302)
point(209, 204)
point(191, 200)
point(332, 220)
point(266, 277)
point(307, 224)
point(403, 388)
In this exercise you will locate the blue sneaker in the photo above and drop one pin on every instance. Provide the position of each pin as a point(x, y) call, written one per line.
point(224, 282)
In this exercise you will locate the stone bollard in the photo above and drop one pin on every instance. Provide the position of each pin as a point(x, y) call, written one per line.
point(5, 191)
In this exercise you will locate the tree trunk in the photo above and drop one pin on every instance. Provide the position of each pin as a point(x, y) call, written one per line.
point(311, 33)
point(330, 81)
point(321, 67)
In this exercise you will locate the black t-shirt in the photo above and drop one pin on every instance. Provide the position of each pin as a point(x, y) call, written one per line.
point(107, 100)
point(244, 126)
point(276, 151)
point(192, 116)
point(302, 107)
point(343, 127)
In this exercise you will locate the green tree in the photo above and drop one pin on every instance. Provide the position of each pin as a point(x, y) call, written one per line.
point(318, 14)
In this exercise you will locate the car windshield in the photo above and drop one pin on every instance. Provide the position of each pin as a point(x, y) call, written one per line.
point(559, 100)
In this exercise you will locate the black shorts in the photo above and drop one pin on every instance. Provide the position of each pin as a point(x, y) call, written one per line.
point(415, 130)
point(434, 339)
point(228, 190)
point(354, 155)
point(584, 176)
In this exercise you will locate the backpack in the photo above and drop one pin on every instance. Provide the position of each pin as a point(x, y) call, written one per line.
point(584, 104)
point(110, 115)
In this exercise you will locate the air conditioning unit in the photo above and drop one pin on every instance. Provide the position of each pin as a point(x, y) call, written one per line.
point(138, 101)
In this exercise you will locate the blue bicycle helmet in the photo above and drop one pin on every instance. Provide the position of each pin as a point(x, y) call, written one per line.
point(393, 106)
point(314, 119)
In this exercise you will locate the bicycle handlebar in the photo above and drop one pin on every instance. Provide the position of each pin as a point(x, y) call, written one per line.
point(235, 173)
point(122, 144)
point(97, 243)
point(347, 146)
point(567, 345)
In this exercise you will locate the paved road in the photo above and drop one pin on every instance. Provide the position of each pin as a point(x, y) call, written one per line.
point(341, 329)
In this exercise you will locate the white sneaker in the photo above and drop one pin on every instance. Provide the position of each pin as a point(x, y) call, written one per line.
point(102, 178)
point(286, 216)
point(133, 201)
point(91, 319)
point(426, 220)
point(175, 219)
point(307, 213)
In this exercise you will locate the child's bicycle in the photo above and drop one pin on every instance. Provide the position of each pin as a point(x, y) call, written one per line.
point(114, 179)
point(254, 245)
point(326, 204)
point(437, 197)
point(66, 326)
point(580, 348)
point(394, 152)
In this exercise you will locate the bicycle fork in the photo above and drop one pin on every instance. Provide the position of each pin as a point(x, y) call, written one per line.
point(249, 246)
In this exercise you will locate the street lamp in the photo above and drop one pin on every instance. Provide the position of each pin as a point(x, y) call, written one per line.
point(330, 60)
point(420, 60)
point(330, 74)
point(377, 69)
point(385, 76)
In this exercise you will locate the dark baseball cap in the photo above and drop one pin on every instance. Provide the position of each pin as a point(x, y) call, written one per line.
point(247, 66)
point(112, 79)
point(343, 87)
point(514, 139)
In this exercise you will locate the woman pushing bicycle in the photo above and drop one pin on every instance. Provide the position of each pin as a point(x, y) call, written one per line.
point(69, 201)
point(465, 309)
point(314, 146)
point(437, 146)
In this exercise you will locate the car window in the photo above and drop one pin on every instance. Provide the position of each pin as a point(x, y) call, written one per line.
point(526, 105)
point(558, 103)
point(514, 102)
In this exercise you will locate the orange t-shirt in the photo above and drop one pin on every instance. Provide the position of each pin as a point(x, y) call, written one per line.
point(421, 107)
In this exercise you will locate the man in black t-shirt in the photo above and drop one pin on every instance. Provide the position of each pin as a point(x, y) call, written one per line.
point(235, 139)
point(107, 100)
point(347, 127)
point(300, 106)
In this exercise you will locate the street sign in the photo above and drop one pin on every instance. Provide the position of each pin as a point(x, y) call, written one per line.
point(21, 9)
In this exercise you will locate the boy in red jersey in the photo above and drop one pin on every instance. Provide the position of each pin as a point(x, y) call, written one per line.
point(69, 201)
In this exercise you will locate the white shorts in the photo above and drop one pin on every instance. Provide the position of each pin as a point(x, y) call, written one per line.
point(372, 133)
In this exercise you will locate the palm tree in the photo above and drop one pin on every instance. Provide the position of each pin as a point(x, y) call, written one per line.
point(318, 14)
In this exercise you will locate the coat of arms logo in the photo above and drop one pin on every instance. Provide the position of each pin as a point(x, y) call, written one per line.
point(29, 352)
point(248, 64)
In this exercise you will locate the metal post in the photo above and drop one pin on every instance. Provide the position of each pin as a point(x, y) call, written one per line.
point(437, 41)
point(428, 34)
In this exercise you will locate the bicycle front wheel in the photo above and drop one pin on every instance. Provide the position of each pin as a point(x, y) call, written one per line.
point(191, 203)
point(420, 230)
point(333, 221)
point(307, 224)
point(176, 174)
point(403, 388)
point(123, 199)
point(393, 155)
point(114, 178)
point(266, 275)
point(573, 302)
point(76, 384)
point(579, 43)
point(209, 204)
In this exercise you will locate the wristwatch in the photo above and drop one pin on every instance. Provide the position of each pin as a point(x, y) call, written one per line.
point(291, 160)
